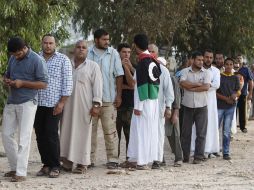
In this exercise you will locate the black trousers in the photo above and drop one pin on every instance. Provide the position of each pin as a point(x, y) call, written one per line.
point(242, 106)
point(46, 130)
point(123, 121)
point(199, 117)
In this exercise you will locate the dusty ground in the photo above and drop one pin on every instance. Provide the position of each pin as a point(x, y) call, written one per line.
point(216, 173)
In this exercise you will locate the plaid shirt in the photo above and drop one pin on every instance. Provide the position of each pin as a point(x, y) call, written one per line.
point(60, 80)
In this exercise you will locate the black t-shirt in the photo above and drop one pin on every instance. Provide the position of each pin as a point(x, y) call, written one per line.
point(127, 96)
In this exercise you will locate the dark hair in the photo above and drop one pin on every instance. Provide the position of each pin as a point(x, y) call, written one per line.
point(99, 33)
point(195, 54)
point(229, 59)
point(208, 50)
point(48, 35)
point(141, 40)
point(219, 52)
point(15, 44)
point(123, 45)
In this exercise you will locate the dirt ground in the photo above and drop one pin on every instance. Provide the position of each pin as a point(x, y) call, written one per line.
point(214, 174)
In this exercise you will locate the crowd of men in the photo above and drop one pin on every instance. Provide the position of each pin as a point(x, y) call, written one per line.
point(145, 100)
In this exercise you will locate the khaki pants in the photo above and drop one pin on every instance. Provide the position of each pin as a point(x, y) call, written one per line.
point(108, 121)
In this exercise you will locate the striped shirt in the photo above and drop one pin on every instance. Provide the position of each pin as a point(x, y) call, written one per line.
point(60, 80)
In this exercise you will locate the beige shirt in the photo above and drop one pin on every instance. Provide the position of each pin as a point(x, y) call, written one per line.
point(195, 99)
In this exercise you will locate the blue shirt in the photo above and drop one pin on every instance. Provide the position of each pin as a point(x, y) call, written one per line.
point(247, 76)
point(31, 68)
point(111, 67)
point(60, 80)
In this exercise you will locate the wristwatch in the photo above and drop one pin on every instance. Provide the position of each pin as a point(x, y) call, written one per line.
point(96, 105)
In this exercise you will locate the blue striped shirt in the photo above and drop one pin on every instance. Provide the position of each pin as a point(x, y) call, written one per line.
point(60, 81)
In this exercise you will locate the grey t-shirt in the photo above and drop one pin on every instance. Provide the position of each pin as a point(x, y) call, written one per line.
point(31, 68)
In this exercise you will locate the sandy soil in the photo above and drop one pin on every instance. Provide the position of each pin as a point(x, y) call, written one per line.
point(216, 173)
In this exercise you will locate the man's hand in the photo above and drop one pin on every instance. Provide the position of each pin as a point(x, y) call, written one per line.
point(137, 112)
point(118, 101)
point(58, 108)
point(95, 111)
point(174, 118)
point(229, 100)
point(234, 96)
point(6, 81)
point(16, 83)
point(249, 96)
point(167, 113)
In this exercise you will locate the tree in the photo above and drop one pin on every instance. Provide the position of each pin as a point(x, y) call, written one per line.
point(31, 19)
point(226, 26)
point(159, 19)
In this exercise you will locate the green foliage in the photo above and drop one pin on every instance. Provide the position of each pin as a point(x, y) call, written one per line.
point(123, 19)
point(226, 26)
point(31, 19)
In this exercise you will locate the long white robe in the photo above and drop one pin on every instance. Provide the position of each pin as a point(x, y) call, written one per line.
point(76, 129)
point(166, 98)
point(212, 136)
point(143, 140)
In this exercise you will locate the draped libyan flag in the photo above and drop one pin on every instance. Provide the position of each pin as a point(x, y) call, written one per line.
point(147, 75)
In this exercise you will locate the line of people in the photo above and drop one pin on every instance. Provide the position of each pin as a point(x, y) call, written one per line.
point(99, 80)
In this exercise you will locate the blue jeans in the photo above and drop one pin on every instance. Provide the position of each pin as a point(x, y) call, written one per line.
point(226, 115)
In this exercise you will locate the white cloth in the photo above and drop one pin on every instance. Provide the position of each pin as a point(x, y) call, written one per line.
point(166, 98)
point(212, 136)
point(76, 130)
point(143, 140)
point(234, 123)
point(18, 117)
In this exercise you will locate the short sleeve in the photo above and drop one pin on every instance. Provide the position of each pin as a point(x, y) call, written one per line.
point(183, 75)
point(118, 69)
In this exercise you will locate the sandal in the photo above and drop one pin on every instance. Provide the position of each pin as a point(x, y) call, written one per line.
point(62, 167)
point(178, 163)
point(16, 178)
point(112, 165)
point(80, 169)
point(128, 165)
point(10, 174)
point(142, 167)
point(54, 173)
point(44, 171)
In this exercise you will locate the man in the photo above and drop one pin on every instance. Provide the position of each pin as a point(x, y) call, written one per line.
point(246, 93)
point(143, 142)
point(212, 145)
point(219, 61)
point(124, 112)
point(26, 73)
point(85, 102)
point(196, 81)
point(165, 97)
point(112, 72)
point(51, 103)
point(227, 96)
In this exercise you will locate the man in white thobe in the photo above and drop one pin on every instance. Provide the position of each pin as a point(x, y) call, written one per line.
point(212, 146)
point(166, 98)
point(84, 103)
point(143, 142)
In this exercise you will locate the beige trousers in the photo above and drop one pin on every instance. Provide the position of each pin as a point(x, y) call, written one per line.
point(18, 118)
point(108, 121)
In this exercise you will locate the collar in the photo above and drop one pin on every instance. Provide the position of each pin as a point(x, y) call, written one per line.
point(80, 66)
point(202, 69)
point(225, 74)
point(146, 54)
point(107, 50)
point(28, 53)
point(55, 53)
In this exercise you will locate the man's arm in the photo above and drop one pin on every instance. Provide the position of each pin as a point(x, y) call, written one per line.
point(60, 105)
point(189, 85)
point(118, 100)
point(202, 88)
point(250, 89)
point(27, 84)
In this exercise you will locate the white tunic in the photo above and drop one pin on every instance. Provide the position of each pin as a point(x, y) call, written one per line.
point(166, 98)
point(76, 129)
point(212, 136)
point(143, 140)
